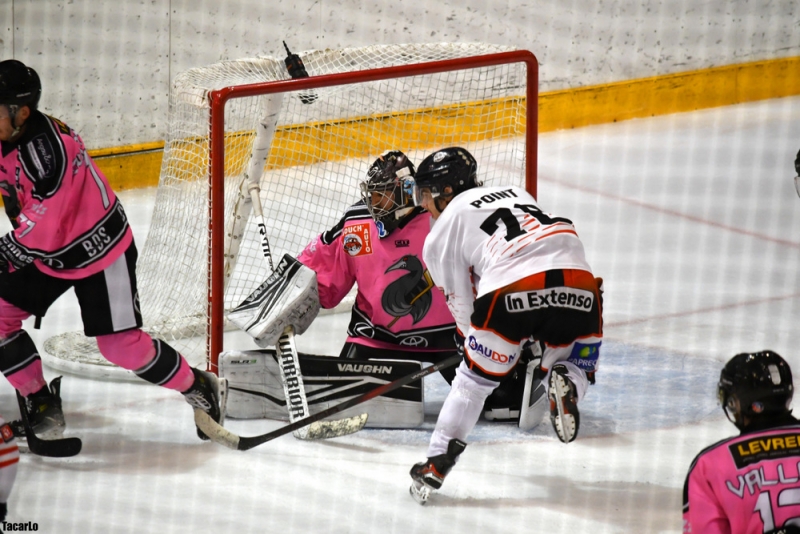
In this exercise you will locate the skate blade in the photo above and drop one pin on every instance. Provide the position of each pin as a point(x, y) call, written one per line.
point(419, 491)
point(563, 422)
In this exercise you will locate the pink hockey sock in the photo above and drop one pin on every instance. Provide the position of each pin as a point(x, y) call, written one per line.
point(152, 360)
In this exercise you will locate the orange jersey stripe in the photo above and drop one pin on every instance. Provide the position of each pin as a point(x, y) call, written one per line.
point(9, 462)
point(10, 448)
point(558, 232)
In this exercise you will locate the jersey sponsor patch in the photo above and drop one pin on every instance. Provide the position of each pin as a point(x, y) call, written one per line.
point(475, 347)
point(357, 239)
point(556, 297)
point(585, 355)
point(756, 449)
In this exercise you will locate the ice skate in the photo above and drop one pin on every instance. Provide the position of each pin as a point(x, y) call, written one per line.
point(563, 404)
point(208, 393)
point(44, 412)
point(430, 474)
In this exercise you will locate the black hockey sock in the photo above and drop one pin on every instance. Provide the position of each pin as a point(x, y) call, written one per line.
point(17, 352)
point(163, 367)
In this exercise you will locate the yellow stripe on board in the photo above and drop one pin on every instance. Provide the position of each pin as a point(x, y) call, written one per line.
point(672, 93)
point(139, 165)
point(419, 129)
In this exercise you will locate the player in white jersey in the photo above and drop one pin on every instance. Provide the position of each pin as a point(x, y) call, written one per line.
point(510, 273)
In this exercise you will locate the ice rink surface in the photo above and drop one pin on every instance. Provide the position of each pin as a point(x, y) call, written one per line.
point(693, 222)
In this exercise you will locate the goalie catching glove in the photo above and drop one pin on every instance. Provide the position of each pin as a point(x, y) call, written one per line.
point(288, 297)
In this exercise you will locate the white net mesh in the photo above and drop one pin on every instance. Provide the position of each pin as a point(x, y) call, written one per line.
point(319, 153)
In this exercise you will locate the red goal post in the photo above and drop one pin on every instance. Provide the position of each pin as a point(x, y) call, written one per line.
point(219, 98)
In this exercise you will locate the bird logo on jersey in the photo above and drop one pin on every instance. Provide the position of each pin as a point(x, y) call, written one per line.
point(411, 293)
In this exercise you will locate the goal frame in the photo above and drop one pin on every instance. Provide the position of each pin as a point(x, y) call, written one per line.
point(218, 98)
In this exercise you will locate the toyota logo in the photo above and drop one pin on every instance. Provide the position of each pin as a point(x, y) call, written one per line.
point(414, 341)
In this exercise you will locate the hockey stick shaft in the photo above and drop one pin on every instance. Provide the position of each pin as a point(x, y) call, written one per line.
point(292, 380)
point(290, 363)
point(243, 443)
point(55, 448)
point(261, 149)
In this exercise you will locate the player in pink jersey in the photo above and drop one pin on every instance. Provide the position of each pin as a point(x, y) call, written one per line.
point(70, 231)
point(377, 245)
point(510, 273)
point(749, 483)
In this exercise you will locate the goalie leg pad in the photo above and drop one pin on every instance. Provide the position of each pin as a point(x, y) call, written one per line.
point(255, 389)
point(289, 297)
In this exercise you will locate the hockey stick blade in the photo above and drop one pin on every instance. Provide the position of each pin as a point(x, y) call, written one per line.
point(227, 438)
point(316, 430)
point(54, 448)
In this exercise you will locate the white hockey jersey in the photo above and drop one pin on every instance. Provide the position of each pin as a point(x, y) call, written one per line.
point(490, 237)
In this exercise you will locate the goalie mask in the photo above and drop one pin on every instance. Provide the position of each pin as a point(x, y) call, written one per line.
point(753, 386)
point(387, 190)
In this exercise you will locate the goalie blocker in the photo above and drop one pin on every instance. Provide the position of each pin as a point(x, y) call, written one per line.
point(255, 389)
point(288, 297)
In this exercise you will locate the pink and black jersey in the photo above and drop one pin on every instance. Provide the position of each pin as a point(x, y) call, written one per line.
point(747, 484)
point(397, 303)
point(68, 221)
point(490, 237)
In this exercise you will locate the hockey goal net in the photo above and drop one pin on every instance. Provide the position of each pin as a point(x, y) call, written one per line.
point(311, 141)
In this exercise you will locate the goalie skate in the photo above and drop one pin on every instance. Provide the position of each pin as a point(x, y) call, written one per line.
point(563, 404)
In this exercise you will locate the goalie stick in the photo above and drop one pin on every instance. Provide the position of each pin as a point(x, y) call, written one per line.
point(291, 377)
point(55, 448)
point(227, 438)
point(296, 401)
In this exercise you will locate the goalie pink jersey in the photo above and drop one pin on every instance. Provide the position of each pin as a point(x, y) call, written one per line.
point(397, 303)
point(747, 484)
point(68, 221)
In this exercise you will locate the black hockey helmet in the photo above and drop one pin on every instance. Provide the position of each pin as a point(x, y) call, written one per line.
point(453, 166)
point(19, 84)
point(391, 175)
point(755, 385)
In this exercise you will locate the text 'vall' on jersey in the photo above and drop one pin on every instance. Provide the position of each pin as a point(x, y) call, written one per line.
point(69, 223)
point(751, 480)
point(490, 237)
point(397, 302)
